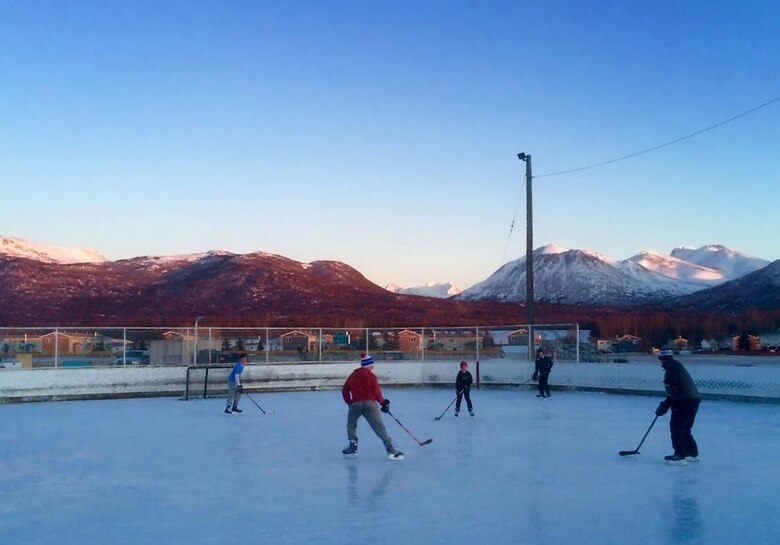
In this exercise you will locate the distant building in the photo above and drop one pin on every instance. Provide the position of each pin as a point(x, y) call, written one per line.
point(299, 340)
point(708, 345)
point(770, 340)
point(65, 343)
point(679, 344)
point(453, 340)
point(754, 342)
point(410, 341)
point(629, 343)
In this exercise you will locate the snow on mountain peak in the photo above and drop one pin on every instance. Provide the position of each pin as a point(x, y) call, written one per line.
point(19, 247)
point(429, 289)
point(552, 249)
point(730, 263)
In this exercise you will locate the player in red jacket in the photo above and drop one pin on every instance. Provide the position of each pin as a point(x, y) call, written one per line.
point(361, 392)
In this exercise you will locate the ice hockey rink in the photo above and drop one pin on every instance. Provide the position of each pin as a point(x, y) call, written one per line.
point(523, 470)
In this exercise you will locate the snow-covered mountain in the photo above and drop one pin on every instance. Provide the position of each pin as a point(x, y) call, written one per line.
point(731, 263)
point(430, 289)
point(577, 277)
point(757, 290)
point(585, 277)
point(19, 247)
point(676, 268)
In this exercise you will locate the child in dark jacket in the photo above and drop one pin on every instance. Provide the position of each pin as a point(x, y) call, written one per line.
point(544, 365)
point(463, 388)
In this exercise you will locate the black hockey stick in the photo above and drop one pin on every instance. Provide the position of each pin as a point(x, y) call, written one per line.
point(448, 407)
point(421, 443)
point(256, 405)
point(636, 451)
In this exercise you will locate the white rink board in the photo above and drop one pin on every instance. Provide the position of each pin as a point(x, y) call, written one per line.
point(760, 381)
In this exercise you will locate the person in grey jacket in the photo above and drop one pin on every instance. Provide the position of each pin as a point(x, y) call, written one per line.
point(683, 398)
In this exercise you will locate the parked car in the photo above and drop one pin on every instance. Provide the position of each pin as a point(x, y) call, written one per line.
point(133, 357)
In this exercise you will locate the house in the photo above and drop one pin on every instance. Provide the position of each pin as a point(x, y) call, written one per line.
point(453, 340)
point(770, 340)
point(299, 340)
point(754, 342)
point(58, 342)
point(629, 343)
point(708, 345)
point(20, 344)
point(410, 341)
point(606, 345)
point(518, 337)
point(679, 343)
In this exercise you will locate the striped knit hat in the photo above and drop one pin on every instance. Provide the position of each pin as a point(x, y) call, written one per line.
point(366, 360)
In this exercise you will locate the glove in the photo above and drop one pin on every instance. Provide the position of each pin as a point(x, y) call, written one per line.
point(535, 377)
point(662, 409)
point(240, 388)
point(385, 406)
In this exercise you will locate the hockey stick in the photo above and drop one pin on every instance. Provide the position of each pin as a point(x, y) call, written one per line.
point(421, 443)
point(448, 407)
point(636, 451)
point(256, 405)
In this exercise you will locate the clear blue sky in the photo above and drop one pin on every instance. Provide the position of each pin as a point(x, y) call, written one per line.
point(385, 134)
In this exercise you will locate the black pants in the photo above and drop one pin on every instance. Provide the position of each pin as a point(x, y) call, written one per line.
point(683, 415)
point(544, 388)
point(465, 392)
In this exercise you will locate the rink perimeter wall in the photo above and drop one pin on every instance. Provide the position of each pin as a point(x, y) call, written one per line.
point(759, 382)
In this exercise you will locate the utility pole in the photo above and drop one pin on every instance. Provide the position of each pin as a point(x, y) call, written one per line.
point(529, 252)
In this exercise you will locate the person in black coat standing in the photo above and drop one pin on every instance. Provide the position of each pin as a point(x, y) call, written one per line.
point(683, 398)
point(544, 365)
point(463, 388)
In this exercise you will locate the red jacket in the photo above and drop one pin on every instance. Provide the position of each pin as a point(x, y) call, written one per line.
point(361, 385)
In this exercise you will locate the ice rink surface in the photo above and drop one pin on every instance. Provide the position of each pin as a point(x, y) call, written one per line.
point(523, 470)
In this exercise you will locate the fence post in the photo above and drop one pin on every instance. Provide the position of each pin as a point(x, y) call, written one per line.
point(577, 343)
point(319, 346)
point(56, 345)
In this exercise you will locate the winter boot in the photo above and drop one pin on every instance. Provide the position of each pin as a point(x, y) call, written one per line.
point(351, 449)
point(393, 454)
point(227, 410)
point(236, 409)
point(674, 460)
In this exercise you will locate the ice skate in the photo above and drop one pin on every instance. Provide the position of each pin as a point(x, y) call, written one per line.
point(236, 409)
point(692, 459)
point(393, 454)
point(351, 449)
point(471, 412)
point(674, 460)
point(227, 410)
point(457, 412)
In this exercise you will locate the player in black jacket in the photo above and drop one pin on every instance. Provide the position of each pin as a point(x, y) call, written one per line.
point(463, 388)
point(544, 365)
point(683, 398)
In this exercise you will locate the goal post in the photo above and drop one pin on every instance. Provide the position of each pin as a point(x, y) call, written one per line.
point(202, 377)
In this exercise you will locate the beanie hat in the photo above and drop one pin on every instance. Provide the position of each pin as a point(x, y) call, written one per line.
point(366, 360)
point(665, 354)
point(463, 364)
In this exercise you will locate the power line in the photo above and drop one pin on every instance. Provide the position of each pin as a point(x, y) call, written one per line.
point(511, 228)
point(654, 148)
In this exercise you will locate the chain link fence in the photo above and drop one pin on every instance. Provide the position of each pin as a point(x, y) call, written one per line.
point(70, 347)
